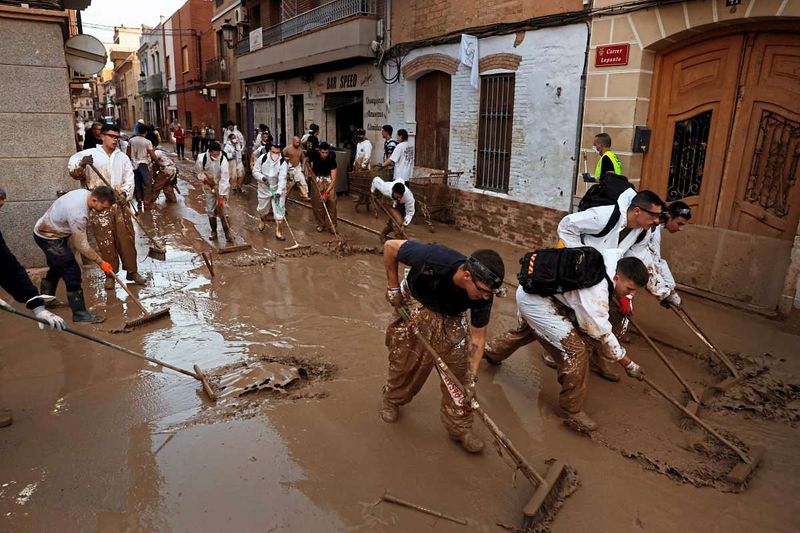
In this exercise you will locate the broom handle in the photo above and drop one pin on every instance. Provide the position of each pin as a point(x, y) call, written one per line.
point(321, 199)
point(134, 298)
point(103, 342)
point(447, 375)
point(340, 219)
point(130, 209)
point(666, 361)
point(398, 228)
point(697, 420)
point(684, 316)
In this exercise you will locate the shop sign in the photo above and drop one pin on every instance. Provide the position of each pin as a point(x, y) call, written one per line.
point(264, 89)
point(612, 55)
point(345, 81)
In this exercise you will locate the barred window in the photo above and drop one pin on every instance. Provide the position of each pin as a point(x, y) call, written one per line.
point(494, 132)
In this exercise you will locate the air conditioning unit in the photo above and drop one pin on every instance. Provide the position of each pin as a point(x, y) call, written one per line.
point(240, 16)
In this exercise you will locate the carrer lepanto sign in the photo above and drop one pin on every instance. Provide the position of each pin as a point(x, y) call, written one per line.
point(612, 55)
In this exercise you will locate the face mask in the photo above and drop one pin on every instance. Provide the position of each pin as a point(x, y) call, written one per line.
point(274, 157)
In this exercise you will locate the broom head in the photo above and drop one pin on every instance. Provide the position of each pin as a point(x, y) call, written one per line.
point(561, 481)
point(149, 317)
point(158, 253)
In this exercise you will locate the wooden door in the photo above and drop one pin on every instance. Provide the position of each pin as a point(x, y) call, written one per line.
point(761, 195)
point(693, 98)
point(432, 145)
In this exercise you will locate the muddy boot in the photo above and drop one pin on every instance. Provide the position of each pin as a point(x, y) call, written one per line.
point(319, 229)
point(580, 422)
point(469, 441)
point(227, 230)
point(548, 360)
point(603, 371)
point(136, 278)
point(109, 283)
point(79, 312)
point(5, 418)
point(212, 221)
point(262, 225)
point(278, 232)
point(490, 360)
point(387, 229)
point(389, 412)
point(48, 288)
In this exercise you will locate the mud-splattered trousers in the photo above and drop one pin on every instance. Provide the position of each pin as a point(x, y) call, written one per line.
point(323, 182)
point(410, 364)
point(115, 237)
point(296, 177)
point(61, 260)
point(552, 324)
point(163, 182)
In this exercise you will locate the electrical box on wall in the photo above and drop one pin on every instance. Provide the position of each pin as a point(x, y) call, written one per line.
point(641, 139)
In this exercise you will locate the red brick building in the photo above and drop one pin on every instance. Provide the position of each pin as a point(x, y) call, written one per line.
point(193, 42)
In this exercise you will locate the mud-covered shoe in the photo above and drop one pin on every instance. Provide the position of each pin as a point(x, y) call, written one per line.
point(108, 284)
point(469, 441)
point(389, 412)
point(214, 235)
point(279, 233)
point(490, 360)
point(319, 229)
point(603, 372)
point(137, 278)
point(548, 360)
point(228, 236)
point(262, 226)
point(5, 418)
point(580, 422)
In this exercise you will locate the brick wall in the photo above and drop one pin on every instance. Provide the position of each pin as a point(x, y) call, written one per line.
point(420, 19)
point(527, 225)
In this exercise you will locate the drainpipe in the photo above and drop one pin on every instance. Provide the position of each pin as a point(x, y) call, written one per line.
point(388, 25)
point(581, 100)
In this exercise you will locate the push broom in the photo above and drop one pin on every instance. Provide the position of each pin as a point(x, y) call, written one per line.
point(197, 374)
point(156, 250)
point(550, 489)
point(147, 317)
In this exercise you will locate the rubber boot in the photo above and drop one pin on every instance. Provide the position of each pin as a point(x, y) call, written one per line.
point(78, 305)
point(262, 224)
point(226, 229)
point(48, 288)
point(389, 412)
point(212, 221)
point(136, 278)
point(109, 284)
point(580, 422)
point(278, 232)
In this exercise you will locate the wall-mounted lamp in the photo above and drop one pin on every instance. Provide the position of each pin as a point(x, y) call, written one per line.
point(227, 33)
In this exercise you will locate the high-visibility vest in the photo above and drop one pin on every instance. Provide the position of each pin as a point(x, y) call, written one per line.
point(614, 161)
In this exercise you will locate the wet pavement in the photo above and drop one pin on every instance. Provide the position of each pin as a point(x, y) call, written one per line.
point(105, 442)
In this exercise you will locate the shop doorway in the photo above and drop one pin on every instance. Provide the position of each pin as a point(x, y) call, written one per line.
point(347, 109)
point(298, 115)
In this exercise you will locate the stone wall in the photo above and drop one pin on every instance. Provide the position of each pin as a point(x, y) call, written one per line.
point(38, 133)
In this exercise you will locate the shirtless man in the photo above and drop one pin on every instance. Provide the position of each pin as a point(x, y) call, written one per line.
point(296, 158)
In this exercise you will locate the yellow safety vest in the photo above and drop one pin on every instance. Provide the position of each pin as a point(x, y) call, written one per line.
point(614, 161)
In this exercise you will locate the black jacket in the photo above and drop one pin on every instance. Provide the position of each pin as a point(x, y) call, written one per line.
point(15, 280)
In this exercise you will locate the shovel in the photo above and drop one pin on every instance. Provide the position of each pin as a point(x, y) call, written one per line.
point(197, 374)
point(156, 250)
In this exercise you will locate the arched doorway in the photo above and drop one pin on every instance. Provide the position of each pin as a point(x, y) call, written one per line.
point(726, 139)
point(433, 120)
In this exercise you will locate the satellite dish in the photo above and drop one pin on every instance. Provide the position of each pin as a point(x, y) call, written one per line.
point(86, 55)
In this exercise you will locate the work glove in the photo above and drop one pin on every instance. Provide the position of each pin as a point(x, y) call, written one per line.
point(588, 178)
point(634, 370)
point(106, 267)
point(221, 202)
point(325, 196)
point(395, 297)
point(625, 306)
point(54, 321)
point(672, 299)
point(3, 303)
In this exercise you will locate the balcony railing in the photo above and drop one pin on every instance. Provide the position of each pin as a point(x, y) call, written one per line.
point(217, 71)
point(153, 83)
point(311, 20)
point(141, 86)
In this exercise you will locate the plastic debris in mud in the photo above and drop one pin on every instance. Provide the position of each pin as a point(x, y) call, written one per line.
point(261, 376)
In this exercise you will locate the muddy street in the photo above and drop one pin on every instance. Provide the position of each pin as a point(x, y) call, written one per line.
point(104, 442)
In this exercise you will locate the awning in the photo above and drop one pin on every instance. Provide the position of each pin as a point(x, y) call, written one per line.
point(337, 101)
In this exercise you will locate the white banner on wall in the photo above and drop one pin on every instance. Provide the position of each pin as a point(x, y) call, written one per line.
point(470, 56)
point(256, 39)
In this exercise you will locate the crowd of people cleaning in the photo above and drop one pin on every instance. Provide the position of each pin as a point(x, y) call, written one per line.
point(574, 298)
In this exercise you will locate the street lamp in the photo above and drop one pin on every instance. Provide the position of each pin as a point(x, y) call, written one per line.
point(142, 76)
point(227, 33)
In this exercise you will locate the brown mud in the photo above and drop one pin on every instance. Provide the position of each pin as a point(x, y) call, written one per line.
point(102, 441)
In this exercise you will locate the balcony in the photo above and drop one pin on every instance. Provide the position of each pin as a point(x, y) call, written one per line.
point(141, 87)
point(217, 74)
point(151, 85)
point(343, 29)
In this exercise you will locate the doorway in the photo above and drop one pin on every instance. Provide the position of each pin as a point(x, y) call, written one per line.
point(432, 145)
point(347, 109)
point(298, 115)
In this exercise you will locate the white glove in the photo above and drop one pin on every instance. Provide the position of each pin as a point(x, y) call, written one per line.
point(3, 303)
point(55, 321)
point(634, 370)
point(395, 297)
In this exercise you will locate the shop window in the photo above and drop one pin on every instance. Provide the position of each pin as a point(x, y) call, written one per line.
point(494, 132)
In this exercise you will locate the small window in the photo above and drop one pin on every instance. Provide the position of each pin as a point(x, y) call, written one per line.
point(167, 68)
point(494, 132)
point(185, 58)
point(688, 158)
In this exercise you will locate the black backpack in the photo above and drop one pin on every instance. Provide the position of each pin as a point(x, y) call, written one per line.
point(550, 271)
point(606, 192)
point(205, 158)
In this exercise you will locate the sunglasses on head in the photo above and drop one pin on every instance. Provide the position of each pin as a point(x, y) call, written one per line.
point(654, 213)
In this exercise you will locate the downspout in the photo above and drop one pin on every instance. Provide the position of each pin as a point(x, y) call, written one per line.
point(581, 104)
point(388, 25)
